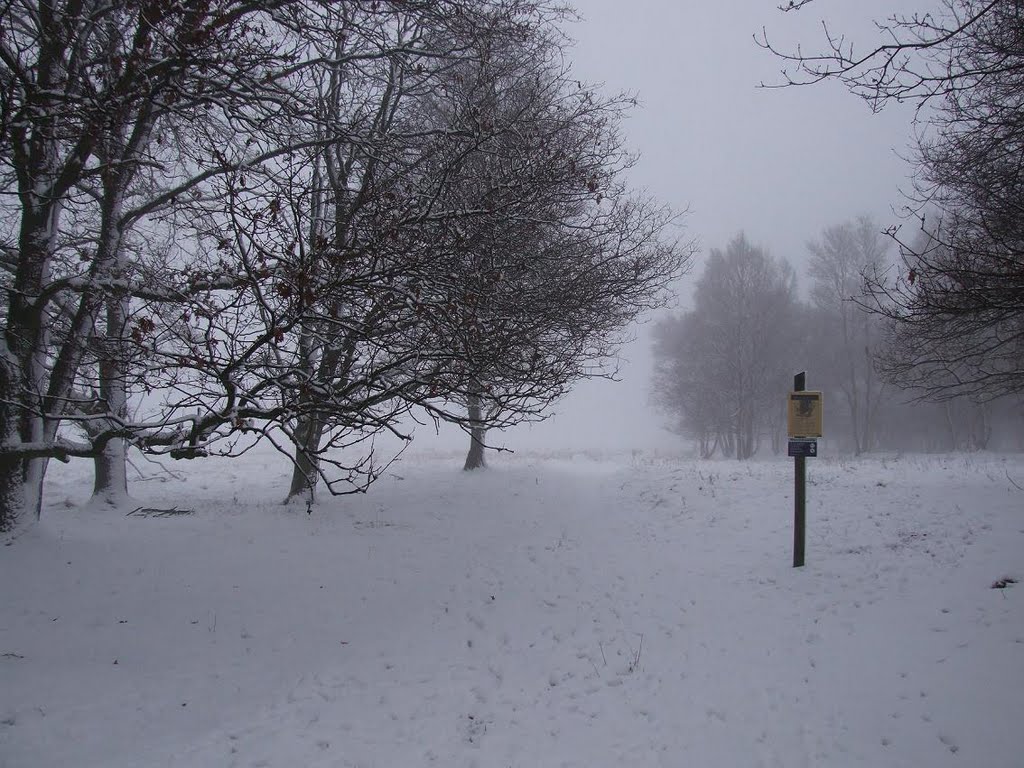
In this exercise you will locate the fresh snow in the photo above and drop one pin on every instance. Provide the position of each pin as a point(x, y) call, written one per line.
point(551, 611)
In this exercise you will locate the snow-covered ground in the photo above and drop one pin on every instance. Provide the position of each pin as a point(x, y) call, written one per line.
point(552, 611)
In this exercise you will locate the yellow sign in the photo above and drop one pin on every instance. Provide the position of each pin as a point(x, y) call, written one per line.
point(804, 415)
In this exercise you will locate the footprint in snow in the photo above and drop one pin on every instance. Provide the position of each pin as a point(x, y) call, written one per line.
point(950, 744)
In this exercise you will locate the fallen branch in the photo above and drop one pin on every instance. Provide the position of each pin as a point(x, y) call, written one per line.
point(157, 512)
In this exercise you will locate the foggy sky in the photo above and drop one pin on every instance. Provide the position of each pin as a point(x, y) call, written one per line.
point(778, 164)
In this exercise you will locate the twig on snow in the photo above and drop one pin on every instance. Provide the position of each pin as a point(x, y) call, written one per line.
point(157, 512)
point(1011, 480)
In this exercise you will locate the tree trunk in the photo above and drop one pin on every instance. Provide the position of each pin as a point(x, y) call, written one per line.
point(304, 469)
point(477, 432)
point(21, 480)
point(981, 427)
point(744, 434)
point(23, 377)
point(10, 468)
point(110, 483)
point(954, 439)
point(855, 425)
point(12, 492)
point(728, 442)
point(35, 472)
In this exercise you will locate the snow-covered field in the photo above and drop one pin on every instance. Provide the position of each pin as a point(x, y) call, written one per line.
point(552, 611)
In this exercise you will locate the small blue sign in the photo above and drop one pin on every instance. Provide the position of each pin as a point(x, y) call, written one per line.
point(803, 448)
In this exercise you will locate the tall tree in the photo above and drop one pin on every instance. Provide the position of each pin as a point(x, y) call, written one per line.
point(373, 207)
point(82, 88)
point(849, 335)
point(184, 117)
point(556, 255)
point(721, 367)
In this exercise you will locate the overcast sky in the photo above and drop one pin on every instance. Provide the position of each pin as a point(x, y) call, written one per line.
point(779, 165)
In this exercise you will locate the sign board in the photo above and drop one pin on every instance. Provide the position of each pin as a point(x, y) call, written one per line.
point(804, 414)
point(805, 448)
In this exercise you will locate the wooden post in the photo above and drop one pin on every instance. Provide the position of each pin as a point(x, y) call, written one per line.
point(799, 491)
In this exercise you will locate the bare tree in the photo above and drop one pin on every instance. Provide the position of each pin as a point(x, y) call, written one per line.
point(374, 205)
point(956, 306)
point(82, 89)
point(238, 210)
point(721, 367)
point(345, 253)
point(687, 392)
point(562, 317)
point(848, 334)
point(556, 255)
point(91, 95)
